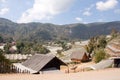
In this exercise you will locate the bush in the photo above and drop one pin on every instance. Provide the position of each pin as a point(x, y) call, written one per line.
point(99, 55)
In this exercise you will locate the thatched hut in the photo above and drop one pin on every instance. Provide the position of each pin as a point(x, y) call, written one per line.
point(79, 55)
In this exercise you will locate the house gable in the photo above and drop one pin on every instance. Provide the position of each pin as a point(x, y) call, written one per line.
point(40, 62)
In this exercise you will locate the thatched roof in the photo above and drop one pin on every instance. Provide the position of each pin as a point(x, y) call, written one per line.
point(39, 61)
point(113, 47)
point(78, 53)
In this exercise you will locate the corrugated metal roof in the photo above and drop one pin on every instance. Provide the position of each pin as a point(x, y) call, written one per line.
point(38, 61)
point(23, 68)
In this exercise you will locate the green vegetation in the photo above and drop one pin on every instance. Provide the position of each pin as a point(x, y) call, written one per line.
point(4, 39)
point(38, 48)
point(96, 43)
point(99, 55)
point(7, 48)
point(3, 59)
point(1, 39)
point(26, 48)
point(114, 33)
point(31, 48)
point(64, 45)
point(59, 53)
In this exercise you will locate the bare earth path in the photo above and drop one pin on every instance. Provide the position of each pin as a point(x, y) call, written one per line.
point(107, 74)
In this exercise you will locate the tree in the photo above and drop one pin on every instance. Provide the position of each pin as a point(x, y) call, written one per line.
point(64, 45)
point(3, 58)
point(29, 48)
point(24, 47)
point(40, 49)
point(91, 45)
point(89, 49)
point(96, 43)
point(59, 53)
point(7, 48)
point(20, 46)
point(8, 39)
point(102, 42)
point(4, 63)
point(1, 39)
point(114, 33)
point(1, 51)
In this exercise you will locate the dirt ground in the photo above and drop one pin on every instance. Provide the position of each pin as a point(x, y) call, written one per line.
point(79, 67)
point(106, 74)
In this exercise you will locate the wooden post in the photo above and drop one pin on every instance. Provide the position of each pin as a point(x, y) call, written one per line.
point(68, 69)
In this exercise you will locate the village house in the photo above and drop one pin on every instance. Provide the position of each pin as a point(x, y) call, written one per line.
point(41, 63)
point(79, 55)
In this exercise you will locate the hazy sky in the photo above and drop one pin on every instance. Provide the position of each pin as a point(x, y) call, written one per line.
point(60, 11)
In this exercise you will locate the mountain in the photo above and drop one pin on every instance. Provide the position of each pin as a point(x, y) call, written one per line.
point(45, 31)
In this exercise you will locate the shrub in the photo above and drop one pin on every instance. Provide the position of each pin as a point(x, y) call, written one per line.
point(99, 55)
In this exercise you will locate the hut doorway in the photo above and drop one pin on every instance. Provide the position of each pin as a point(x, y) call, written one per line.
point(117, 62)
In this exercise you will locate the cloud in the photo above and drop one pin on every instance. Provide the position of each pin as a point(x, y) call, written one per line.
point(87, 13)
point(3, 1)
point(4, 11)
point(79, 19)
point(117, 11)
point(87, 10)
point(90, 7)
point(103, 6)
point(45, 9)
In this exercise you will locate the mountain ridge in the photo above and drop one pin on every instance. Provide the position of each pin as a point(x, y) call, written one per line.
point(36, 31)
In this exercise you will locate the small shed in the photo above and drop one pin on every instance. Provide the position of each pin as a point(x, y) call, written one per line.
point(116, 61)
point(41, 62)
point(79, 55)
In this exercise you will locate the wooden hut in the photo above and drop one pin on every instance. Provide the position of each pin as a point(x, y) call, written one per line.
point(79, 55)
point(40, 62)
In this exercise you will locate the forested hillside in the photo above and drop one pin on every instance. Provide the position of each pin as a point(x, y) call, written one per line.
point(46, 31)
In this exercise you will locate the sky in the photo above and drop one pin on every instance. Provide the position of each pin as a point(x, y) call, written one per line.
point(60, 11)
